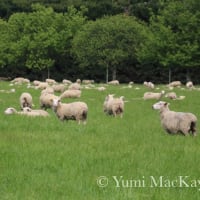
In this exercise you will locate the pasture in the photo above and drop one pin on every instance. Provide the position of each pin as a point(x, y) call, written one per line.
point(106, 159)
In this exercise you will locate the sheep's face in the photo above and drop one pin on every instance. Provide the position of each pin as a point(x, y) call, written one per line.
point(159, 105)
point(55, 102)
point(9, 111)
point(27, 109)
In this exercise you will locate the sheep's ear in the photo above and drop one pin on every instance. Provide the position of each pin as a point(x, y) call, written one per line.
point(166, 104)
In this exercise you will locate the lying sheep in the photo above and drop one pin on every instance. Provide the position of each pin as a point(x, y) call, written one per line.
point(153, 95)
point(71, 94)
point(50, 81)
point(175, 84)
point(20, 80)
point(87, 81)
point(42, 85)
point(74, 86)
point(114, 106)
point(70, 111)
point(59, 87)
point(46, 100)
point(26, 100)
point(174, 122)
point(114, 82)
point(173, 96)
point(65, 81)
point(27, 111)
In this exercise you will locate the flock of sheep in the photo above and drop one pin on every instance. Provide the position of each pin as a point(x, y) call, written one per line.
point(172, 122)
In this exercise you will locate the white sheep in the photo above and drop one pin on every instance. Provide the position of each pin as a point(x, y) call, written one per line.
point(59, 87)
point(171, 95)
point(175, 122)
point(149, 85)
point(27, 111)
point(175, 84)
point(114, 106)
point(71, 94)
point(50, 81)
point(74, 86)
point(65, 81)
point(48, 90)
point(114, 82)
point(153, 95)
point(42, 85)
point(46, 100)
point(87, 81)
point(26, 100)
point(71, 111)
point(190, 85)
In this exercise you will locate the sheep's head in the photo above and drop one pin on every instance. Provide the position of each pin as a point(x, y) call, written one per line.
point(27, 109)
point(10, 111)
point(159, 105)
point(55, 102)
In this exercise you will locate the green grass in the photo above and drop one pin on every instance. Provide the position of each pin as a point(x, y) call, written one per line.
point(44, 158)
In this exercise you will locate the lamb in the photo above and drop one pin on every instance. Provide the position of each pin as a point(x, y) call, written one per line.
point(46, 100)
point(114, 106)
point(71, 94)
point(171, 95)
point(71, 111)
point(153, 95)
point(26, 100)
point(26, 111)
point(175, 122)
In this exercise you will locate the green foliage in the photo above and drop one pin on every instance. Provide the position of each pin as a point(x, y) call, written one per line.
point(174, 39)
point(108, 42)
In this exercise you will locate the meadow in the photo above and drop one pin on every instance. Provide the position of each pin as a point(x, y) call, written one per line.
point(106, 159)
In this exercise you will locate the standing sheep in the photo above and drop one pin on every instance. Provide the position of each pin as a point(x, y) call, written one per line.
point(26, 100)
point(71, 111)
point(174, 122)
point(114, 106)
point(46, 100)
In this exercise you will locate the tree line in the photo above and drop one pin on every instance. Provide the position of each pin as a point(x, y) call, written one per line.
point(102, 40)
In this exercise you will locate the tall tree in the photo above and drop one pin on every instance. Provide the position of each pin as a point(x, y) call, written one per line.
point(175, 39)
point(108, 42)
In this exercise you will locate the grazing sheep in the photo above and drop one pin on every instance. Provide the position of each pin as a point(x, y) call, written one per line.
point(27, 111)
point(74, 86)
point(175, 84)
point(149, 85)
point(71, 94)
point(114, 82)
point(174, 122)
point(46, 100)
point(190, 85)
point(153, 95)
point(114, 106)
point(26, 100)
point(71, 111)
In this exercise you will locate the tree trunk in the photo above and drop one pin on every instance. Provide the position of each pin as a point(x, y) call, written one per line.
point(170, 75)
point(106, 74)
point(114, 74)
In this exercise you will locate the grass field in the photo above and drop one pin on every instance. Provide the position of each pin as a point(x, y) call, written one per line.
point(107, 159)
